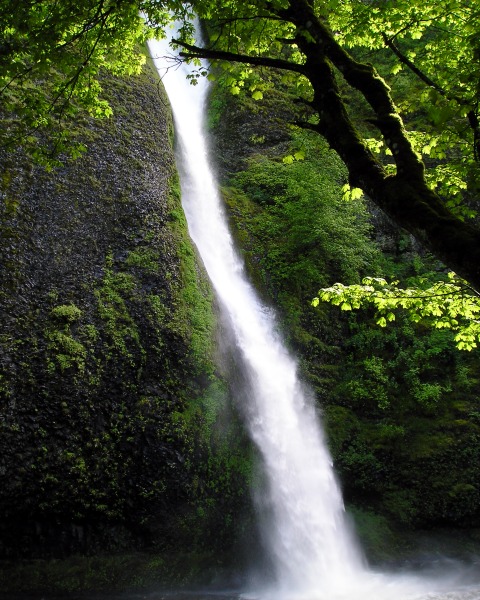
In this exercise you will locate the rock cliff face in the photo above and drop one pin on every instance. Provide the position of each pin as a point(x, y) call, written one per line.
point(105, 344)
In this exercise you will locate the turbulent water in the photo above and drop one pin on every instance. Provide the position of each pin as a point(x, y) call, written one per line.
point(301, 510)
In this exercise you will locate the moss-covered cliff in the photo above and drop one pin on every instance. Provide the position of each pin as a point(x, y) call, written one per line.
point(109, 391)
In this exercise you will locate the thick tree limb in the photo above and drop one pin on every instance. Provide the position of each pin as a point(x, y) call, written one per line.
point(405, 197)
point(197, 52)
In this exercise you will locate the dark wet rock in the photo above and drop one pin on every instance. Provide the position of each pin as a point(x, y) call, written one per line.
point(103, 372)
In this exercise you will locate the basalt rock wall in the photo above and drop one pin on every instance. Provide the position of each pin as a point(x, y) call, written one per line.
point(108, 390)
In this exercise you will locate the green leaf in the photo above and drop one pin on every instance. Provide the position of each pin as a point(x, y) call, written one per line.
point(441, 305)
point(299, 155)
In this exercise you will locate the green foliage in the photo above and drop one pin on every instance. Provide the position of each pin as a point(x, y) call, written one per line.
point(438, 44)
point(51, 63)
point(67, 351)
point(116, 288)
point(302, 230)
point(373, 384)
point(403, 367)
point(448, 304)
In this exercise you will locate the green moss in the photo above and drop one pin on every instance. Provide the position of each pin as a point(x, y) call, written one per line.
point(64, 350)
point(193, 315)
point(144, 258)
point(112, 295)
point(68, 351)
point(67, 312)
point(122, 412)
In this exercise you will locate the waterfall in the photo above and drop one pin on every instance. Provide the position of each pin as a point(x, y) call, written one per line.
point(303, 517)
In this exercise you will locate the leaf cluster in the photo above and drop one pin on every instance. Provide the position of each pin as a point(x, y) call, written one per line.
point(52, 56)
point(436, 44)
point(450, 304)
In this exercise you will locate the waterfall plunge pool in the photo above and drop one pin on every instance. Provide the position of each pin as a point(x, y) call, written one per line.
point(455, 588)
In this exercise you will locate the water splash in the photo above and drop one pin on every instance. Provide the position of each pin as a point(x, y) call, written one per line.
point(314, 555)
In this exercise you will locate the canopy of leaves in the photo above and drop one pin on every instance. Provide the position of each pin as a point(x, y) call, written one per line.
point(333, 52)
point(448, 304)
point(436, 41)
point(52, 55)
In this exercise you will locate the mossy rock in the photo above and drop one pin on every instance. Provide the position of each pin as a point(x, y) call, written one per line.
point(107, 345)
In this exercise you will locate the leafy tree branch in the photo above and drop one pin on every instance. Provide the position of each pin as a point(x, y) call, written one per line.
point(405, 195)
point(212, 54)
point(443, 305)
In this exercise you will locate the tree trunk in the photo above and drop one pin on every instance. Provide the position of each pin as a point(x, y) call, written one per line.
point(405, 196)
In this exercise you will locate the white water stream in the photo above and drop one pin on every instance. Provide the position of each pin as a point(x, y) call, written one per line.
point(313, 553)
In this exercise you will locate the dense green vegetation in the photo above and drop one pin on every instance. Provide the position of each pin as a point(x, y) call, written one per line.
point(399, 404)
